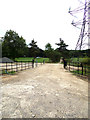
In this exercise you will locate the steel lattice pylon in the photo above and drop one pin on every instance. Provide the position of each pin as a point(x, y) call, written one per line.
point(83, 24)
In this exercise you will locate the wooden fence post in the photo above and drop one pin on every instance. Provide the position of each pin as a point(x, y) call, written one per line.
point(82, 68)
point(73, 66)
point(28, 64)
point(85, 69)
point(11, 67)
point(6, 67)
point(21, 65)
point(16, 67)
point(78, 67)
point(69, 65)
point(25, 65)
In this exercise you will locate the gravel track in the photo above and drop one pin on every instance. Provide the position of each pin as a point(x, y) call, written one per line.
point(47, 91)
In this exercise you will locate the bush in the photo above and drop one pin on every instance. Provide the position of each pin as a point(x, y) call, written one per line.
point(55, 56)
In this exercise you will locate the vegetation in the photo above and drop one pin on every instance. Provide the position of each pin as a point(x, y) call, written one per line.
point(80, 72)
point(52, 54)
point(34, 49)
point(62, 45)
point(39, 60)
point(81, 60)
point(82, 63)
point(14, 47)
point(8, 72)
point(62, 48)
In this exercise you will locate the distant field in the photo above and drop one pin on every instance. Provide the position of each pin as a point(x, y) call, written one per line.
point(39, 60)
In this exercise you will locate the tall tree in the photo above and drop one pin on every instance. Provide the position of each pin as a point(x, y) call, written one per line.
point(34, 49)
point(62, 45)
point(13, 45)
point(62, 48)
point(33, 44)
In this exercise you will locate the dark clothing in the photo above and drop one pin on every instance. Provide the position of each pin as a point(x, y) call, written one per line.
point(65, 63)
point(33, 63)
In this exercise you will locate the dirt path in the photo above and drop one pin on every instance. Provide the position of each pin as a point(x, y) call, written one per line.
point(45, 91)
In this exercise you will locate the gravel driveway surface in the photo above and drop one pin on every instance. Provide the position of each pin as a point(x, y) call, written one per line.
point(47, 91)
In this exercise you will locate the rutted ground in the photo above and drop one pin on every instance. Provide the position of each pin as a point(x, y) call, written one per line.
point(46, 91)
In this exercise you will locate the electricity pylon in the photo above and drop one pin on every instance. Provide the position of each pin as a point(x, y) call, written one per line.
point(83, 24)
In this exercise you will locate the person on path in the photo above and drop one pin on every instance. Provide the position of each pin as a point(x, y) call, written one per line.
point(33, 63)
point(65, 63)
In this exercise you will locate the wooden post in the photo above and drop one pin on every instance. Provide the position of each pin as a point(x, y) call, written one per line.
point(69, 65)
point(82, 68)
point(11, 67)
point(73, 66)
point(28, 64)
point(16, 66)
point(6, 68)
point(21, 65)
point(78, 67)
point(85, 69)
point(25, 65)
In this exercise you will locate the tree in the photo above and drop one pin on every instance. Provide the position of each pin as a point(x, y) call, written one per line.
point(13, 46)
point(52, 54)
point(48, 50)
point(62, 48)
point(33, 44)
point(55, 56)
point(62, 45)
point(34, 49)
point(48, 46)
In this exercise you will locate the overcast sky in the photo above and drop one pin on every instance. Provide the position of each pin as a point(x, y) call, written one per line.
point(44, 20)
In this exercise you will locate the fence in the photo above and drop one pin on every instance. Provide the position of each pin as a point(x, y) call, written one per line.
point(7, 68)
point(78, 68)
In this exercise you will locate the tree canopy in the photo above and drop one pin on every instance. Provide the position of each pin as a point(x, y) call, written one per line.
point(62, 45)
point(34, 49)
point(63, 48)
point(13, 45)
point(48, 46)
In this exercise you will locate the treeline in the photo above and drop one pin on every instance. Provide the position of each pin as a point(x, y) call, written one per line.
point(14, 46)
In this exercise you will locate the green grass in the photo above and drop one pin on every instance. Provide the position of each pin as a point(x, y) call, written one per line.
point(8, 72)
point(80, 72)
point(86, 63)
point(83, 60)
point(23, 59)
point(39, 60)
